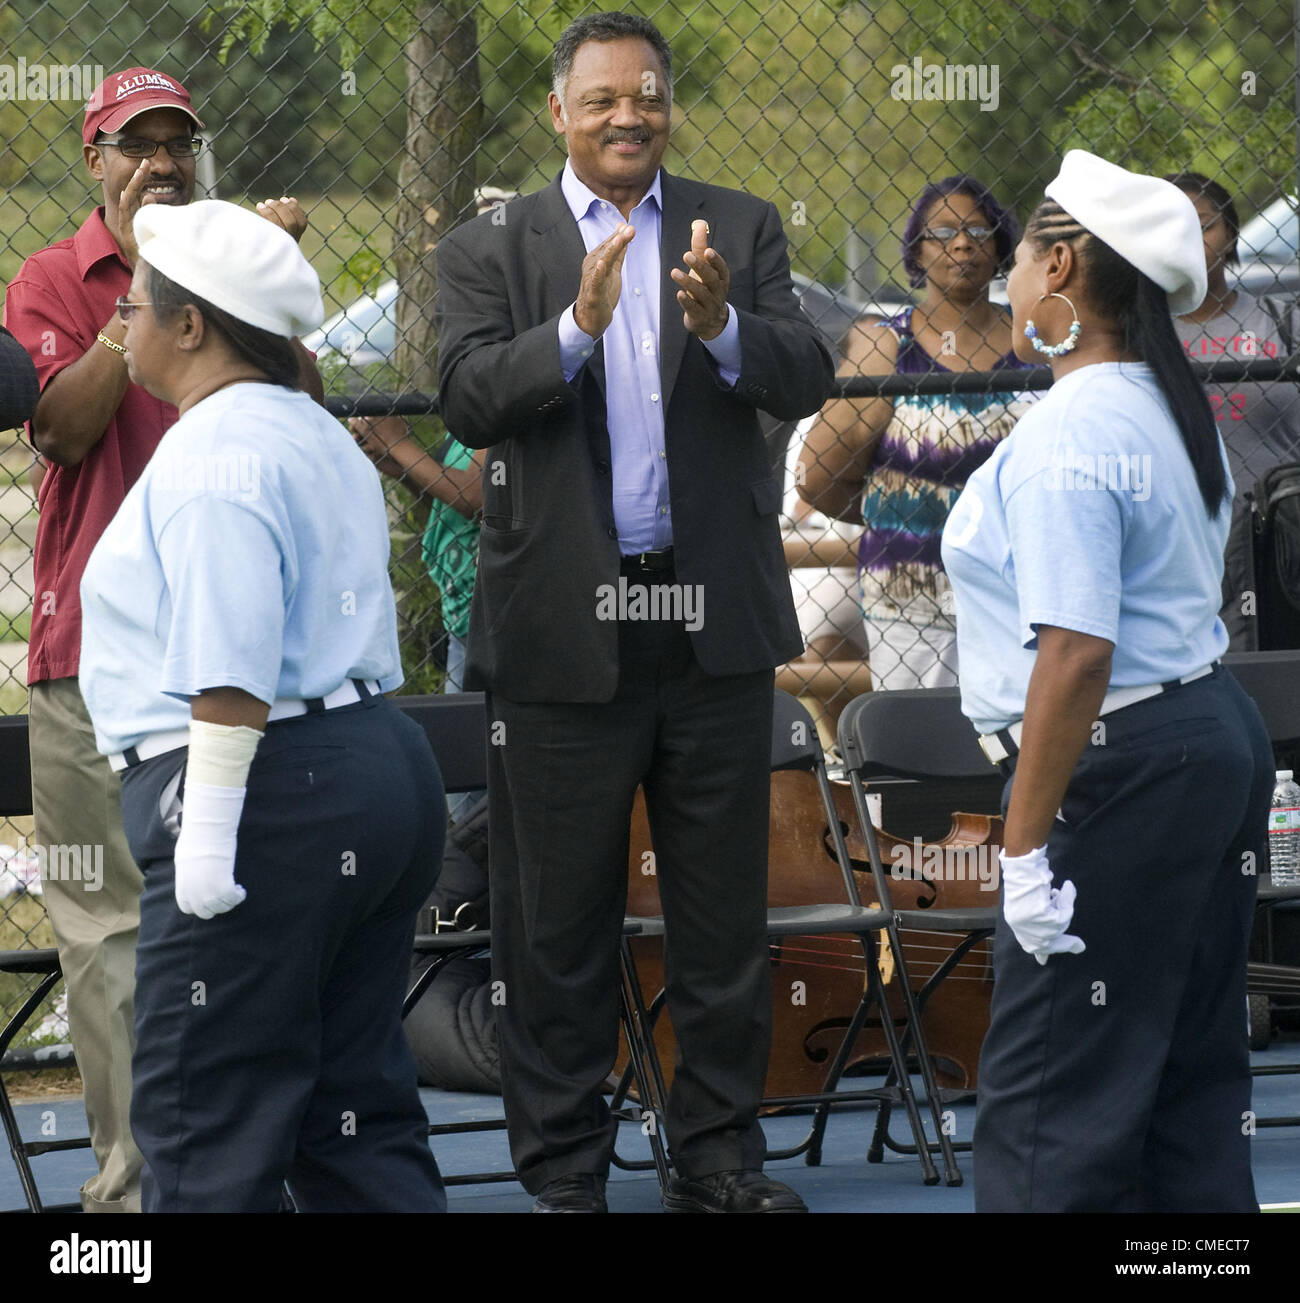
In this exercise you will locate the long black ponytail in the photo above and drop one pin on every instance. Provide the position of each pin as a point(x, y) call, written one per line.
point(1140, 309)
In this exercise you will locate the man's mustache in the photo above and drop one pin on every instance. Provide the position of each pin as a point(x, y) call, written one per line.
point(625, 137)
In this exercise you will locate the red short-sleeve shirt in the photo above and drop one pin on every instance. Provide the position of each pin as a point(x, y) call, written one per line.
point(61, 298)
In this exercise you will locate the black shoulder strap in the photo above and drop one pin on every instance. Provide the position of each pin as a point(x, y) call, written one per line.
point(1281, 315)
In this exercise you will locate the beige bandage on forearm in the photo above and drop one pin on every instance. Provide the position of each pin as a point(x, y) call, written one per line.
point(221, 754)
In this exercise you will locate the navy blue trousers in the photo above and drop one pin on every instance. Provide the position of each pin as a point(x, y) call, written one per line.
point(1118, 1080)
point(269, 1045)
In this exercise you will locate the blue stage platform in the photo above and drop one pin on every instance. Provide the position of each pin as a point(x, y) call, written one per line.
point(844, 1182)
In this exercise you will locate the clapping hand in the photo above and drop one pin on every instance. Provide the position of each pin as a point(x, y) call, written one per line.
point(702, 288)
point(602, 282)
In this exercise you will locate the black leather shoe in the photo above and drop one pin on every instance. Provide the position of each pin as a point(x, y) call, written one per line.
point(731, 1192)
point(581, 1192)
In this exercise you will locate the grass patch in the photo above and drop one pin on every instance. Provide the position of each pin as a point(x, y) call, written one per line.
point(16, 457)
point(13, 697)
point(28, 1086)
point(16, 628)
point(24, 924)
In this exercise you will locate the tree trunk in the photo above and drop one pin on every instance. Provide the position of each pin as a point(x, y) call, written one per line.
point(437, 177)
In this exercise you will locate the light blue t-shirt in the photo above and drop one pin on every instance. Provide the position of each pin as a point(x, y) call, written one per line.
point(1086, 517)
point(251, 553)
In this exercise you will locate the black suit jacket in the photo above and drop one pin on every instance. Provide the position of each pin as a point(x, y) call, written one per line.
point(548, 540)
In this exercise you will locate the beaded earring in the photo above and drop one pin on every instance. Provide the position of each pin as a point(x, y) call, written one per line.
point(1068, 343)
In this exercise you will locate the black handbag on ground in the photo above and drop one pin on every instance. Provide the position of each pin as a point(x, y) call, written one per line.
point(452, 1029)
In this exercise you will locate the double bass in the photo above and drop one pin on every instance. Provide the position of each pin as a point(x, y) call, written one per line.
point(818, 981)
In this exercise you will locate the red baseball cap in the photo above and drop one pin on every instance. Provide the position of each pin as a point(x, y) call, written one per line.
point(125, 95)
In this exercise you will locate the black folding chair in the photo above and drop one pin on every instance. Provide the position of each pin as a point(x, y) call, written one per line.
point(457, 730)
point(44, 966)
point(41, 964)
point(795, 746)
point(917, 735)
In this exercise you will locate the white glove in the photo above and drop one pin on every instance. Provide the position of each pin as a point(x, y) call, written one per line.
point(1037, 912)
point(205, 850)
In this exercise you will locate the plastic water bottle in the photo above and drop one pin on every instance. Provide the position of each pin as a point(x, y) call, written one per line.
point(1284, 832)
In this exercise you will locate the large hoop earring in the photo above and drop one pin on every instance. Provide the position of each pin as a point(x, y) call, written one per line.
point(1070, 340)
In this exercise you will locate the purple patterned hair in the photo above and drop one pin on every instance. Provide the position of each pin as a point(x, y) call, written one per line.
point(1003, 222)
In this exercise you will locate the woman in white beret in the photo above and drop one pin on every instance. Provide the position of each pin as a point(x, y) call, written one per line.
point(239, 634)
point(1086, 558)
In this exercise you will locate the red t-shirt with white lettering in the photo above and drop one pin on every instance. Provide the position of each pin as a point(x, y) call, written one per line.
point(61, 298)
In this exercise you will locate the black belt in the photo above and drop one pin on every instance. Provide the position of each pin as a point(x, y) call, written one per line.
point(647, 563)
point(347, 694)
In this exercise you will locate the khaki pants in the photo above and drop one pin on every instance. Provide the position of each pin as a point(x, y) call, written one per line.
point(76, 799)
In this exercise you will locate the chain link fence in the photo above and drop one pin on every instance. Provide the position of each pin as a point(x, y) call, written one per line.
point(394, 120)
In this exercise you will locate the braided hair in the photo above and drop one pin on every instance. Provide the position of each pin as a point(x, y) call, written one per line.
point(1140, 310)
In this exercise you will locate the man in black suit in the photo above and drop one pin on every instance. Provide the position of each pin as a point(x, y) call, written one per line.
point(632, 601)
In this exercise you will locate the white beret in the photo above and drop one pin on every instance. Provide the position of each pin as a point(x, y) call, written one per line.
point(237, 261)
point(1147, 221)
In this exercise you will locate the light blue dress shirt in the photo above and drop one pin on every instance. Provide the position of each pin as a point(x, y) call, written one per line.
point(634, 401)
point(1086, 517)
point(251, 553)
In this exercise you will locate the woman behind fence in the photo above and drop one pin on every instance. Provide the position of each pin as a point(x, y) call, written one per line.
point(898, 464)
point(239, 634)
point(1085, 558)
point(1259, 422)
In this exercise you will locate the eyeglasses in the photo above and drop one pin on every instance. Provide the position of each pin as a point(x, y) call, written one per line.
point(946, 233)
point(125, 308)
point(138, 147)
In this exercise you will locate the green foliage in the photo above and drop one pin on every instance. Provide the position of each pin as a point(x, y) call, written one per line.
point(1151, 83)
point(1143, 129)
point(362, 271)
point(351, 25)
point(277, 119)
point(1166, 125)
point(791, 100)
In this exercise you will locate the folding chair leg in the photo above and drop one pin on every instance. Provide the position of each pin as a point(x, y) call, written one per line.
point(874, 995)
point(422, 984)
point(929, 1174)
point(643, 1060)
point(649, 1016)
point(17, 1148)
point(822, 1114)
point(952, 1173)
point(880, 1136)
point(19, 1154)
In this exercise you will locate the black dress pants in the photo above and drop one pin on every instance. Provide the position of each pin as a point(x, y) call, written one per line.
point(269, 1044)
point(561, 781)
point(1118, 1080)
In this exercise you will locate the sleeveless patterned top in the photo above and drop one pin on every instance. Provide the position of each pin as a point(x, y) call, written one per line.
point(929, 449)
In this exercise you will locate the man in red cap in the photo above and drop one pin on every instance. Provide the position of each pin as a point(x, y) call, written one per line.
point(95, 431)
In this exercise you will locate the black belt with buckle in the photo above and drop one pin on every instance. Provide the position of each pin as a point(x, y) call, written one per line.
point(647, 563)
